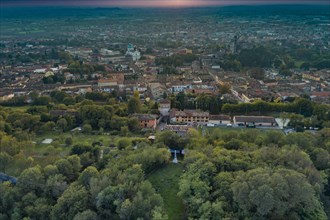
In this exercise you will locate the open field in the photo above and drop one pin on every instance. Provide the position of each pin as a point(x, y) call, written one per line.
point(44, 154)
point(165, 181)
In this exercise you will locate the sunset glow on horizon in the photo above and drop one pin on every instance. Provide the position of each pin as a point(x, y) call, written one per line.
point(154, 3)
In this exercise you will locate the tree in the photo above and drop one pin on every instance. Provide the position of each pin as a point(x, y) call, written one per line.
point(164, 95)
point(257, 73)
point(108, 200)
point(96, 116)
point(47, 127)
point(322, 111)
point(304, 107)
point(68, 141)
point(42, 100)
point(305, 66)
point(124, 131)
point(69, 167)
point(256, 57)
point(133, 124)
point(278, 194)
point(86, 215)
point(31, 180)
point(134, 105)
point(85, 177)
point(55, 186)
point(195, 186)
point(172, 140)
point(69, 101)
point(123, 143)
point(4, 161)
point(73, 201)
point(58, 96)
point(144, 202)
point(224, 88)
point(62, 124)
point(87, 128)
point(180, 100)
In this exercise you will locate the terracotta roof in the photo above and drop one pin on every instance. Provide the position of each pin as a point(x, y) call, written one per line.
point(321, 94)
point(144, 117)
point(188, 113)
point(164, 101)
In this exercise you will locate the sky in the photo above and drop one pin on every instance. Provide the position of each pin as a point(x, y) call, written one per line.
point(154, 3)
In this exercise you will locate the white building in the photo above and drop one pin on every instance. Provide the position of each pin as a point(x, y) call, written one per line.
point(180, 88)
point(164, 107)
point(106, 52)
point(133, 52)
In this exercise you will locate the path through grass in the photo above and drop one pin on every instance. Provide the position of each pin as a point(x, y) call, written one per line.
point(165, 181)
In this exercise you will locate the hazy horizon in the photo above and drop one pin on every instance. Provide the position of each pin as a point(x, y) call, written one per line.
point(157, 3)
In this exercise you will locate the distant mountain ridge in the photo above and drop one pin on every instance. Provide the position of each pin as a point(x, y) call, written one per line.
point(61, 11)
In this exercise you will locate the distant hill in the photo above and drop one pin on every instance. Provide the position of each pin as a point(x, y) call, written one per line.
point(90, 12)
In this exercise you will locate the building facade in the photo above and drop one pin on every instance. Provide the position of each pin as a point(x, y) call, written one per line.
point(219, 119)
point(146, 120)
point(189, 117)
point(164, 107)
point(255, 120)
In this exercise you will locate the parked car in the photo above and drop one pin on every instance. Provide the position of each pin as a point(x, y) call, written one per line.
point(250, 125)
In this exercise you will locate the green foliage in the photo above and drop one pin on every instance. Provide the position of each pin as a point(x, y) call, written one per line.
point(87, 128)
point(86, 176)
point(172, 140)
point(165, 181)
point(124, 143)
point(275, 194)
point(258, 176)
point(176, 60)
point(225, 173)
point(134, 105)
point(73, 201)
point(95, 96)
point(257, 73)
point(62, 124)
point(256, 57)
point(4, 161)
point(68, 141)
point(55, 186)
point(96, 116)
point(85, 215)
point(31, 180)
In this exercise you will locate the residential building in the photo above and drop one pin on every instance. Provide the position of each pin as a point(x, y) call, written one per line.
point(219, 119)
point(157, 90)
point(255, 120)
point(146, 120)
point(112, 80)
point(178, 129)
point(164, 107)
point(189, 116)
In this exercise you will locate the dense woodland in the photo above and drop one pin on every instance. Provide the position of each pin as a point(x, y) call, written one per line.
point(250, 175)
point(233, 174)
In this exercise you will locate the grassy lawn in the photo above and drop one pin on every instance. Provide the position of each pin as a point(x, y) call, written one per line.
point(238, 129)
point(165, 181)
point(17, 108)
point(45, 154)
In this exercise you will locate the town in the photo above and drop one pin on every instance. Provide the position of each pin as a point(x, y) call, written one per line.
point(211, 59)
point(165, 113)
